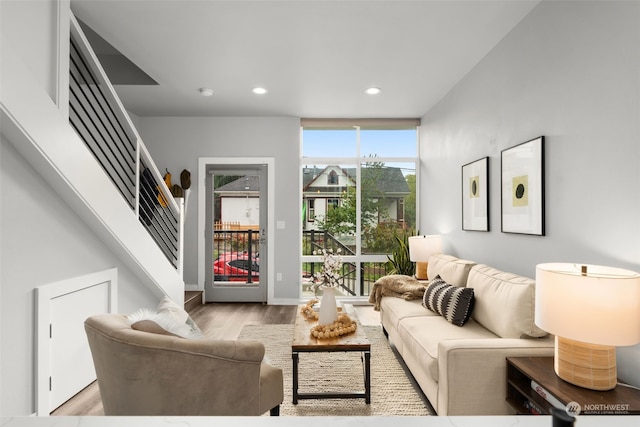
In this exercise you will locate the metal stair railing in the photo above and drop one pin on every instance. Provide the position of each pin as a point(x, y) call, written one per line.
point(101, 121)
point(322, 239)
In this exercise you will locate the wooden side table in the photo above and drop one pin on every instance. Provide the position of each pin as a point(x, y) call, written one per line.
point(534, 388)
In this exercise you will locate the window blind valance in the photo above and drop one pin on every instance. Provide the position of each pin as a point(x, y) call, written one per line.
point(310, 123)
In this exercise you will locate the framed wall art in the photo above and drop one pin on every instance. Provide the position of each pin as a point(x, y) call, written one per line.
point(475, 195)
point(522, 171)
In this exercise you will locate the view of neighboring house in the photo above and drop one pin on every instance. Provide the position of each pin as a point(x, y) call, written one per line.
point(325, 188)
point(238, 202)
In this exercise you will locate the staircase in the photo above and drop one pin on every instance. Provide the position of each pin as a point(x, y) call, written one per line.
point(41, 131)
point(192, 300)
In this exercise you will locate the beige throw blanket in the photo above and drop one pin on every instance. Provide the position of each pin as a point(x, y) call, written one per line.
point(396, 285)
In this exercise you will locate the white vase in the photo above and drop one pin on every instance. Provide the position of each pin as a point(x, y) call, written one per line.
point(328, 307)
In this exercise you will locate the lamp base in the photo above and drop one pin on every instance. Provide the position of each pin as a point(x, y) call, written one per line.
point(421, 270)
point(586, 365)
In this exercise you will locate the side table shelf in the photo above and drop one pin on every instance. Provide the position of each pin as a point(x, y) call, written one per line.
point(524, 372)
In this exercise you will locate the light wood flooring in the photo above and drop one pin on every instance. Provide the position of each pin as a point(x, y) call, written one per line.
point(218, 321)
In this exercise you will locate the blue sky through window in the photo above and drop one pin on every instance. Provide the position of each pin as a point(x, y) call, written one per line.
point(342, 143)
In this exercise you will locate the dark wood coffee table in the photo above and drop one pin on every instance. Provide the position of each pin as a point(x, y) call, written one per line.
point(303, 342)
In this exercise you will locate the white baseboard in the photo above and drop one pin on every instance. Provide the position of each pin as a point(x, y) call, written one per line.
point(285, 301)
point(297, 301)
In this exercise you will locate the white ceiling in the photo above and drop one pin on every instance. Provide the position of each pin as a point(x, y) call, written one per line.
point(316, 57)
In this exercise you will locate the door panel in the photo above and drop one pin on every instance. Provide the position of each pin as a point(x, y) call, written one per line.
point(71, 365)
point(236, 236)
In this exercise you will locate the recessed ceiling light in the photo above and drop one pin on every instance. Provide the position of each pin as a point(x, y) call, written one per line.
point(259, 90)
point(373, 91)
point(206, 91)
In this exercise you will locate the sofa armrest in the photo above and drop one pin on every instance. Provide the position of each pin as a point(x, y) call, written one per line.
point(472, 373)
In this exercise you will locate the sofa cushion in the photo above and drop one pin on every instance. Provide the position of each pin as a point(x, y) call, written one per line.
point(454, 303)
point(421, 336)
point(396, 309)
point(505, 302)
point(451, 269)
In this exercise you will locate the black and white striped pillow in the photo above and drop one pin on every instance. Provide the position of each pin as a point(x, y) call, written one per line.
point(454, 303)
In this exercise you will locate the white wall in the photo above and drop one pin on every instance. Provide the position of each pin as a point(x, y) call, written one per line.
point(32, 27)
point(240, 210)
point(568, 71)
point(177, 143)
point(42, 239)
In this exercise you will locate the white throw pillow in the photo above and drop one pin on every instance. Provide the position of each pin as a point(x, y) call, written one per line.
point(169, 316)
point(179, 314)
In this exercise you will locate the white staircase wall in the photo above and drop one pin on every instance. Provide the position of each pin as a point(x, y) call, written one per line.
point(40, 131)
point(60, 215)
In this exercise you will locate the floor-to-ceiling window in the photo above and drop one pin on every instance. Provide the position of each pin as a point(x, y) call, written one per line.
point(358, 193)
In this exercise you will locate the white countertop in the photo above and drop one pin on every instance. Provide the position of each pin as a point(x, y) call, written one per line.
point(480, 421)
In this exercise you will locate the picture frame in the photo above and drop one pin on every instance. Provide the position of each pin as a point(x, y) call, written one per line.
point(522, 175)
point(475, 195)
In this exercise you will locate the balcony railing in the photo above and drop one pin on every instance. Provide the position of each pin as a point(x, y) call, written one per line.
point(316, 240)
point(235, 254)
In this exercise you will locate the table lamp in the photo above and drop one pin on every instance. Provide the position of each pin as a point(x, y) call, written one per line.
point(420, 249)
point(590, 309)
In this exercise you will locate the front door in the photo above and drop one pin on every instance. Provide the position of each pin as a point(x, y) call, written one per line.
point(236, 248)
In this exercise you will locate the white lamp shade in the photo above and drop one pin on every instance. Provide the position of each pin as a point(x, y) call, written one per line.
point(599, 307)
point(422, 247)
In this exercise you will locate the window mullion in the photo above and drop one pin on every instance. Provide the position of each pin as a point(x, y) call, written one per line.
point(358, 197)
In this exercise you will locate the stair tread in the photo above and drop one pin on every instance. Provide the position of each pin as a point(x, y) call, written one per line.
point(192, 299)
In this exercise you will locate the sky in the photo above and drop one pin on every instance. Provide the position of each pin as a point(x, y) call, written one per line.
point(342, 143)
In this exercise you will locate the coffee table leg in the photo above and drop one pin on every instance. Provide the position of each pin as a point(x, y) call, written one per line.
point(294, 356)
point(367, 377)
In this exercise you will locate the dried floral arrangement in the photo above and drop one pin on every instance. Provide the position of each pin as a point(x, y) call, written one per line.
point(331, 271)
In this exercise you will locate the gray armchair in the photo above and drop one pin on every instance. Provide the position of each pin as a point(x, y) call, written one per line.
point(143, 373)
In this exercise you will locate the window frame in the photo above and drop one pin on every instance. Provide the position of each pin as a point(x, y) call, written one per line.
point(357, 161)
point(333, 178)
point(311, 210)
point(332, 203)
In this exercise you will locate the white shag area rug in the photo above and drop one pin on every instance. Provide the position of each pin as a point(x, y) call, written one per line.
point(393, 391)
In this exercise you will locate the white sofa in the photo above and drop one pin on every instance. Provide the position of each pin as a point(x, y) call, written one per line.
point(462, 369)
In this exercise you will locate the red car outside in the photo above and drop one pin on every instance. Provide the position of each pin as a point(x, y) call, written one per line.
point(235, 266)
